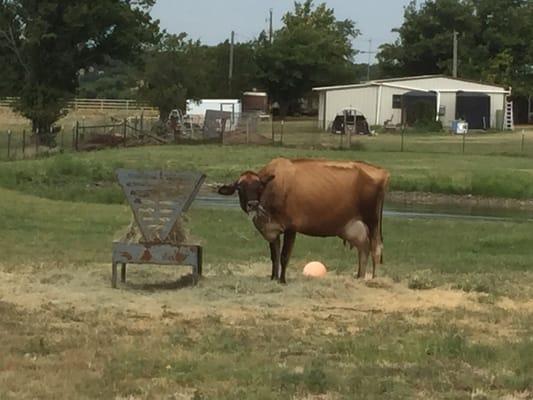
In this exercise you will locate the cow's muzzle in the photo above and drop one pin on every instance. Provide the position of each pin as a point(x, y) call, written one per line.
point(252, 205)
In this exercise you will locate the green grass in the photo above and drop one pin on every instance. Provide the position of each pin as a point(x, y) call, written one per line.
point(89, 177)
point(449, 317)
point(239, 335)
point(471, 255)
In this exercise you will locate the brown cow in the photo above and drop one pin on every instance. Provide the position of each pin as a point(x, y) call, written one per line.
point(315, 198)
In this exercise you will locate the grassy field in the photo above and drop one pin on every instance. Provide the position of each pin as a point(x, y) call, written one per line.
point(89, 177)
point(450, 316)
point(305, 133)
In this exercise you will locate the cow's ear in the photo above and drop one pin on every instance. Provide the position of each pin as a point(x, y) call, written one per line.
point(266, 179)
point(227, 190)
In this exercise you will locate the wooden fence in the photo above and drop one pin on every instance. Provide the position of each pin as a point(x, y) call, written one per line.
point(95, 104)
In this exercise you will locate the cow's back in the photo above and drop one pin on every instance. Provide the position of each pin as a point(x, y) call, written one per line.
point(318, 197)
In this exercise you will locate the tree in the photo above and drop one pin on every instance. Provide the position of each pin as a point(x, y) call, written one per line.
point(112, 80)
point(425, 39)
point(46, 43)
point(245, 69)
point(174, 71)
point(312, 48)
point(495, 42)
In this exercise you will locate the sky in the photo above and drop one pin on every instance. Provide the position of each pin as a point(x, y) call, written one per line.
point(212, 21)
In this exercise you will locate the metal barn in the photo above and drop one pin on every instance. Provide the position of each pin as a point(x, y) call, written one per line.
point(401, 100)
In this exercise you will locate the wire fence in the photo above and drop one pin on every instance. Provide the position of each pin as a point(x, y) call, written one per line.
point(299, 133)
point(253, 129)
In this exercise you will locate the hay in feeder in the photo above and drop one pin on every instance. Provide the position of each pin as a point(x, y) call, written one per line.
point(177, 235)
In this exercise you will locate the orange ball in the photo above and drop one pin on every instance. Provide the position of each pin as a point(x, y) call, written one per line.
point(315, 269)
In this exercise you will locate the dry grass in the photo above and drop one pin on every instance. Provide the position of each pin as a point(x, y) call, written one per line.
point(67, 334)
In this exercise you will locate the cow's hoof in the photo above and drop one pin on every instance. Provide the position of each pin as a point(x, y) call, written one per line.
point(282, 282)
point(368, 277)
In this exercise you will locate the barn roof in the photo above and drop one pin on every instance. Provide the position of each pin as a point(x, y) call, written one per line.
point(440, 83)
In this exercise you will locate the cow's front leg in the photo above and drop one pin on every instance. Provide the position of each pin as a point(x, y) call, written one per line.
point(288, 244)
point(275, 257)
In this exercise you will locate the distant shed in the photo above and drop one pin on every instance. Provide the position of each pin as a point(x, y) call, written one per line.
point(399, 100)
point(255, 102)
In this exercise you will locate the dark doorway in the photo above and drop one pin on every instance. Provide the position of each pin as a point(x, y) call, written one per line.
point(473, 108)
point(522, 109)
point(419, 107)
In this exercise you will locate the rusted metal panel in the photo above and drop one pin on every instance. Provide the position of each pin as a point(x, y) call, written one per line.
point(133, 253)
point(158, 198)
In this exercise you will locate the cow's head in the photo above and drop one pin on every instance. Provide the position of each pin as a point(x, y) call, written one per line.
point(250, 187)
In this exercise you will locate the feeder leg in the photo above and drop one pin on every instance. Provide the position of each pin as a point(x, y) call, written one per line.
point(194, 274)
point(200, 258)
point(123, 273)
point(114, 275)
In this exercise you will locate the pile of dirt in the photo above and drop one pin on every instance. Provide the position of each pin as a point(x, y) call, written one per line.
point(102, 141)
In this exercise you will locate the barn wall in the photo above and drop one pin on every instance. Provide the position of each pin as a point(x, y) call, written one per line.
point(321, 98)
point(497, 102)
point(363, 99)
point(387, 112)
point(449, 101)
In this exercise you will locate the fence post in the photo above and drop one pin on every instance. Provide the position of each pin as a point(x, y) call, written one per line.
point(522, 144)
point(9, 144)
point(464, 141)
point(247, 131)
point(402, 134)
point(124, 132)
point(272, 126)
point(142, 120)
point(62, 137)
point(282, 123)
point(77, 136)
point(24, 143)
point(36, 142)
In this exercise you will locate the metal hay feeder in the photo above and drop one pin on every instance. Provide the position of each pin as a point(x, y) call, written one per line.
point(157, 199)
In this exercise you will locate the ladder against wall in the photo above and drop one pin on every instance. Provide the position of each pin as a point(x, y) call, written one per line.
point(508, 123)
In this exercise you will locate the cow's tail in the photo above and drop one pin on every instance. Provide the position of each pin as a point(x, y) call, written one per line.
point(381, 227)
point(382, 201)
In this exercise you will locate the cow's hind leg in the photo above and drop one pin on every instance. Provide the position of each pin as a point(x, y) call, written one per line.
point(288, 244)
point(363, 253)
point(376, 251)
point(275, 257)
point(356, 233)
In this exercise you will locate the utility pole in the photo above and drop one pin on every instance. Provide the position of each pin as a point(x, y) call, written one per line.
point(230, 75)
point(369, 52)
point(270, 28)
point(454, 54)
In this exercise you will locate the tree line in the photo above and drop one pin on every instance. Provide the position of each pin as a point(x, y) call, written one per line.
point(53, 50)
